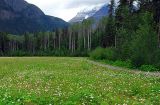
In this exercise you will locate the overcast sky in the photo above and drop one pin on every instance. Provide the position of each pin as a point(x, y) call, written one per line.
point(65, 9)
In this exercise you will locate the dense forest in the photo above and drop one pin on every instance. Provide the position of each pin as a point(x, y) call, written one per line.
point(128, 33)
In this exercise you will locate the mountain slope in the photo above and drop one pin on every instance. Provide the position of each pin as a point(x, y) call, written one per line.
point(95, 12)
point(18, 17)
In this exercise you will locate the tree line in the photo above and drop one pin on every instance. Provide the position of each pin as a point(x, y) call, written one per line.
point(73, 41)
point(132, 32)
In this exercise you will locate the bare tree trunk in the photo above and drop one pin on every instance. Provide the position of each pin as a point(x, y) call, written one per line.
point(159, 34)
point(79, 38)
point(54, 43)
point(75, 43)
point(14, 45)
point(90, 39)
point(54, 40)
point(72, 44)
point(11, 46)
point(59, 40)
point(84, 39)
point(70, 40)
point(45, 43)
point(33, 48)
point(84, 42)
point(115, 42)
point(48, 40)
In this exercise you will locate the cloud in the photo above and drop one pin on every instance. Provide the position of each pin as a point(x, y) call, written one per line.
point(78, 3)
point(65, 9)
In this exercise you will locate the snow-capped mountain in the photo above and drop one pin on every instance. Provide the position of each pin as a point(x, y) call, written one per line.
point(95, 12)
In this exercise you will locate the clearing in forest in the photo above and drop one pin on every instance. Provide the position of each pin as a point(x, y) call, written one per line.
point(72, 81)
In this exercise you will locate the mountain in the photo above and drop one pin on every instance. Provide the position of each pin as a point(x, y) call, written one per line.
point(18, 17)
point(95, 12)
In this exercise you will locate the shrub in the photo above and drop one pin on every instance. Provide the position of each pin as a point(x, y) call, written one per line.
point(110, 53)
point(126, 64)
point(102, 53)
point(148, 68)
point(19, 53)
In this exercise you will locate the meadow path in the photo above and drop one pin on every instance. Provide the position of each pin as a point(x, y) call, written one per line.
point(153, 74)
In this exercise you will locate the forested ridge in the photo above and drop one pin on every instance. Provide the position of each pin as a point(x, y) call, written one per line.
point(19, 16)
point(127, 34)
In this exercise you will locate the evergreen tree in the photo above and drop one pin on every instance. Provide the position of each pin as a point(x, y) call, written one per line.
point(110, 29)
point(123, 30)
point(3, 43)
point(144, 44)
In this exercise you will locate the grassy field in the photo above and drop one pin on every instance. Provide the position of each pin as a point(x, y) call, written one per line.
point(72, 81)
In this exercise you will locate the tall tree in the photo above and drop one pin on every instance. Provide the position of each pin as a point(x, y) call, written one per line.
point(156, 11)
point(124, 29)
point(88, 32)
point(3, 42)
point(109, 39)
point(144, 44)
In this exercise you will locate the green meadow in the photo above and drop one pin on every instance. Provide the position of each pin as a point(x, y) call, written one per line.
point(72, 81)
